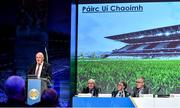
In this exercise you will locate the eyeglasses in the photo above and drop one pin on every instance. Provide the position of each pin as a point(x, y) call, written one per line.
point(120, 85)
point(139, 82)
point(90, 83)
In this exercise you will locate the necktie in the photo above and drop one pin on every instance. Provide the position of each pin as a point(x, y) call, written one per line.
point(37, 71)
point(120, 94)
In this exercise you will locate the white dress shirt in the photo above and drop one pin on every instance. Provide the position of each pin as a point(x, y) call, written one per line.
point(120, 94)
point(40, 69)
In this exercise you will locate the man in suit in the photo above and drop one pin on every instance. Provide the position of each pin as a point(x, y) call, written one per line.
point(91, 88)
point(121, 92)
point(140, 88)
point(41, 69)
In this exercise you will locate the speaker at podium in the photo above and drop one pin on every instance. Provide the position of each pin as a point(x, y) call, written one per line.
point(35, 87)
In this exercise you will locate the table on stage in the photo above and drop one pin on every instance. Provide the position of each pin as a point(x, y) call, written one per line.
point(156, 102)
point(142, 102)
point(102, 102)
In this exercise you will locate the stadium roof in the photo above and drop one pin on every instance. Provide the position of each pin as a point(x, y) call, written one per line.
point(169, 33)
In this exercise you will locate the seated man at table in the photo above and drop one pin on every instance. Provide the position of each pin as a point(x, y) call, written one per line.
point(121, 92)
point(140, 88)
point(91, 88)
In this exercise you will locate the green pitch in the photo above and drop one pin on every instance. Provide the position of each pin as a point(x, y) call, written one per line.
point(108, 72)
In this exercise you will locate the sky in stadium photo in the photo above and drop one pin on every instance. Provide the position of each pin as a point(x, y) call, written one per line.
point(93, 27)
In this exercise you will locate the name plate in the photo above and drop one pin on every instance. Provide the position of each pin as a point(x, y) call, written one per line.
point(84, 95)
point(146, 95)
point(104, 95)
point(175, 95)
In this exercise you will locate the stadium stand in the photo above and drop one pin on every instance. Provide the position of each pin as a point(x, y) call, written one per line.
point(164, 41)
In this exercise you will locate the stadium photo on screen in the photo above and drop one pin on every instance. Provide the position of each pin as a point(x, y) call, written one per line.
point(127, 41)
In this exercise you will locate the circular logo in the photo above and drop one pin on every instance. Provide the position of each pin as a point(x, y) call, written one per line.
point(33, 94)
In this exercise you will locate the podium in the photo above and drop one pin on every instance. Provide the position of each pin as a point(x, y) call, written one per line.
point(35, 87)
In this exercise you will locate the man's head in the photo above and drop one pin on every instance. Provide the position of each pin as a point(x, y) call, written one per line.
point(39, 57)
point(121, 85)
point(91, 83)
point(140, 82)
point(49, 98)
point(15, 88)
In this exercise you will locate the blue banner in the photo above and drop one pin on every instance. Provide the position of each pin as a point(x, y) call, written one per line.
point(34, 91)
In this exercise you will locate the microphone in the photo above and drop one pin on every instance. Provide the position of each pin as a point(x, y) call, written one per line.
point(99, 90)
point(159, 89)
point(157, 93)
point(113, 93)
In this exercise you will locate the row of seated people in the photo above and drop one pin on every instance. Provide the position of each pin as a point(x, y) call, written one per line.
point(121, 91)
point(16, 94)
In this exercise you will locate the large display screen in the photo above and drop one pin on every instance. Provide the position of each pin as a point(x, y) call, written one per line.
point(124, 41)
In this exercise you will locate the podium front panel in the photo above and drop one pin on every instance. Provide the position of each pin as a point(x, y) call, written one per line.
point(34, 91)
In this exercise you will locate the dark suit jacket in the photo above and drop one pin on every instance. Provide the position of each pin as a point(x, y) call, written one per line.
point(135, 92)
point(95, 91)
point(45, 73)
point(114, 93)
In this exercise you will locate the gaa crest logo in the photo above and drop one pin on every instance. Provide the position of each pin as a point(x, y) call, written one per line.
point(33, 94)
